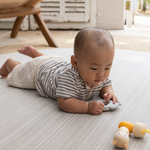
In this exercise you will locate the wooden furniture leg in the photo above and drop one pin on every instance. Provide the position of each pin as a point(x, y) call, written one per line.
point(20, 14)
point(45, 30)
point(16, 26)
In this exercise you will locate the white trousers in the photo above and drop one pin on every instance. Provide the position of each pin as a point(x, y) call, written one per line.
point(23, 75)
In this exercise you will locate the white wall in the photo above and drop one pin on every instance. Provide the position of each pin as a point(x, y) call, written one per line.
point(110, 14)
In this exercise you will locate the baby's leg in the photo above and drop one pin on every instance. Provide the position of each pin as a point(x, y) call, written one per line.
point(7, 67)
point(30, 51)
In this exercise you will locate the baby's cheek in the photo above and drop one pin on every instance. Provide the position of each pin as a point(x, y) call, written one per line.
point(107, 74)
point(89, 76)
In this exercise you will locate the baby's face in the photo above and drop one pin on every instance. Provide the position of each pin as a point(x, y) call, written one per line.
point(94, 67)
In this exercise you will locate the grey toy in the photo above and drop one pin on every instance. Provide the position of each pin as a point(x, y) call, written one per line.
point(110, 105)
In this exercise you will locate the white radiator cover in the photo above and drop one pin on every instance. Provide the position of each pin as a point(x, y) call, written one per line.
point(66, 14)
point(65, 10)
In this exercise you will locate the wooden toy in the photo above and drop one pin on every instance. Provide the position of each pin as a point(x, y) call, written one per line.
point(121, 138)
point(138, 129)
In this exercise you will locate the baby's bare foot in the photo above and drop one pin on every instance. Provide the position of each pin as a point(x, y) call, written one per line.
point(27, 50)
point(3, 71)
point(3, 75)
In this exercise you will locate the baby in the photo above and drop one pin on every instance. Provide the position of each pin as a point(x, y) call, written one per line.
point(72, 84)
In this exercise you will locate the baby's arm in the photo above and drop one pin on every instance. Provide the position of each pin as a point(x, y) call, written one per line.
point(108, 93)
point(73, 105)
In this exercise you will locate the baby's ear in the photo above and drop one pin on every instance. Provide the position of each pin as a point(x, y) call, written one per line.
point(74, 61)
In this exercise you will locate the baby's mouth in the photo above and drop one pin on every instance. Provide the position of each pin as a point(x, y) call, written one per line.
point(98, 80)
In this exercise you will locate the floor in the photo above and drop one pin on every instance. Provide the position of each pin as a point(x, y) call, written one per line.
point(135, 38)
point(31, 122)
point(140, 28)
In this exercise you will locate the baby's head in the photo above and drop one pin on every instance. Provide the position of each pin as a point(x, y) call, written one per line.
point(93, 55)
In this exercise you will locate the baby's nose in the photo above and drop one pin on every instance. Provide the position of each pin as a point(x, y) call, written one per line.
point(100, 74)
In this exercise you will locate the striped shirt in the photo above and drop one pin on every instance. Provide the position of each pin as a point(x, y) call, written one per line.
point(57, 78)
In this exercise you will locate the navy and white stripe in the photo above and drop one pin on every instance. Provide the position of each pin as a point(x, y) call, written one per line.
point(57, 78)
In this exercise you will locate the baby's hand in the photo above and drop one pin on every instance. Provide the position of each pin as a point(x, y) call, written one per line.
point(95, 108)
point(110, 96)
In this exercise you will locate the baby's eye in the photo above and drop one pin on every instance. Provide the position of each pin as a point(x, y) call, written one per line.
point(93, 68)
point(107, 68)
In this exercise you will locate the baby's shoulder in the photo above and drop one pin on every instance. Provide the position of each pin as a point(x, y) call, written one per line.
point(72, 74)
